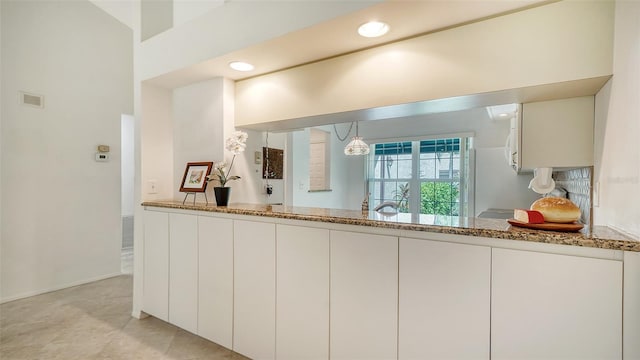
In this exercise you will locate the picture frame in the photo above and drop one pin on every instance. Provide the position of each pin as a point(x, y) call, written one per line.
point(195, 177)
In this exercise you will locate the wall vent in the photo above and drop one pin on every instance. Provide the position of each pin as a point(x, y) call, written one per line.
point(33, 100)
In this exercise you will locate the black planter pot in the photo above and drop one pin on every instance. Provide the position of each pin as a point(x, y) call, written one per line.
point(222, 195)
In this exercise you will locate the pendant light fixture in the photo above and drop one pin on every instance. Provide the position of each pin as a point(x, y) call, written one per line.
point(356, 146)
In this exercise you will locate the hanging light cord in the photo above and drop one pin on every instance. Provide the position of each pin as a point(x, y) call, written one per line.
point(346, 135)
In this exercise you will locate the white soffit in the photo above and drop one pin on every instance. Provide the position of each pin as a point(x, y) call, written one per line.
point(339, 36)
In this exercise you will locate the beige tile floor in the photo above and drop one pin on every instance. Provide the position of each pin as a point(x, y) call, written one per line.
point(93, 321)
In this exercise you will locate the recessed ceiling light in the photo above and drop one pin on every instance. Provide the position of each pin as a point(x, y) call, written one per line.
point(373, 29)
point(241, 66)
point(503, 115)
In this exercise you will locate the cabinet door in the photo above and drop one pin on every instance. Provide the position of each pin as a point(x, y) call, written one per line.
point(183, 271)
point(546, 306)
point(364, 296)
point(254, 289)
point(631, 306)
point(215, 280)
point(155, 293)
point(444, 300)
point(558, 133)
point(302, 322)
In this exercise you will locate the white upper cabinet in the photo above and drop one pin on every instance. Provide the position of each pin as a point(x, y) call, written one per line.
point(364, 296)
point(547, 306)
point(155, 294)
point(557, 133)
point(444, 305)
point(254, 331)
point(302, 322)
point(215, 280)
point(183, 271)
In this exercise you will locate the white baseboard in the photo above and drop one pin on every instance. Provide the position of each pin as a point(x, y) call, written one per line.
point(60, 287)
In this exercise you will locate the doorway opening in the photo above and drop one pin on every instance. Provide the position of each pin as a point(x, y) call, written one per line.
point(127, 172)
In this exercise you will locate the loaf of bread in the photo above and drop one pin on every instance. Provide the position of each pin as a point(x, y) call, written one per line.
point(528, 216)
point(557, 210)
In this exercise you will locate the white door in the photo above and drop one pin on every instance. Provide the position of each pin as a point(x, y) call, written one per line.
point(215, 280)
point(254, 289)
point(155, 293)
point(444, 300)
point(364, 296)
point(302, 296)
point(183, 271)
point(546, 306)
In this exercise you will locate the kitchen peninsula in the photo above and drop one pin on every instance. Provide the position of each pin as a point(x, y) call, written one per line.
point(280, 282)
point(597, 237)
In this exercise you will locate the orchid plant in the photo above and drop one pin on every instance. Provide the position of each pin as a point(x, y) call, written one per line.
point(236, 144)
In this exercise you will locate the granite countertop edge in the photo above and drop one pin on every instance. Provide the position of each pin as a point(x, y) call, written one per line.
point(598, 237)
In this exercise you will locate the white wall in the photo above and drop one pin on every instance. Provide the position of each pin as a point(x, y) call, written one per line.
point(127, 164)
point(121, 10)
point(186, 10)
point(156, 148)
point(63, 227)
point(157, 16)
point(497, 186)
point(617, 149)
point(346, 193)
point(198, 128)
point(201, 120)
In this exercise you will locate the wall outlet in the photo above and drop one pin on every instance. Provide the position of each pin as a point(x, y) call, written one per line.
point(152, 187)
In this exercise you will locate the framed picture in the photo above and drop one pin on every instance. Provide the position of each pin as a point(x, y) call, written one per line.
point(195, 177)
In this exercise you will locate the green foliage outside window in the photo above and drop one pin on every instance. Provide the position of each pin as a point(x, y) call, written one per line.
point(439, 198)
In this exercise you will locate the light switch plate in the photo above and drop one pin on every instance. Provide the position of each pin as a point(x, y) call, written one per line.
point(257, 157)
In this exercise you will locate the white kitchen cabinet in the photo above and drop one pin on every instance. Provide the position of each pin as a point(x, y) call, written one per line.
point(444, 300)
point(183, 271)
point(215, 280)
point(364, 296)
point(254, 289)
point(155, 294)
point(557, 133)
point(547, 306)
point(302, 296)
point(631, 306)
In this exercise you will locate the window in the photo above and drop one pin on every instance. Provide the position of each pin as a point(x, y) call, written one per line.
point(437, 167)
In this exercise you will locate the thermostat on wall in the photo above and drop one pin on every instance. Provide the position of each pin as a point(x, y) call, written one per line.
point(103, 148)
point(102, 157)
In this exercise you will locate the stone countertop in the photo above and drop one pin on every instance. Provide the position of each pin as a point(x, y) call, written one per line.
point(597, 237)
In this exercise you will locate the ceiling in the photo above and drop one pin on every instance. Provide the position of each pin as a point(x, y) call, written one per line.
point(339, 36)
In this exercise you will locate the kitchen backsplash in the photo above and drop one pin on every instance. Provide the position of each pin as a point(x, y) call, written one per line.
point(577, 183)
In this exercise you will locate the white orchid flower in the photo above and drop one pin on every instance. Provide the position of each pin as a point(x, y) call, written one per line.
point(236, 144)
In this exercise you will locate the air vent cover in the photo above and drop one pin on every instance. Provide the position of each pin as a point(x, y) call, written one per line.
point(33, 100)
